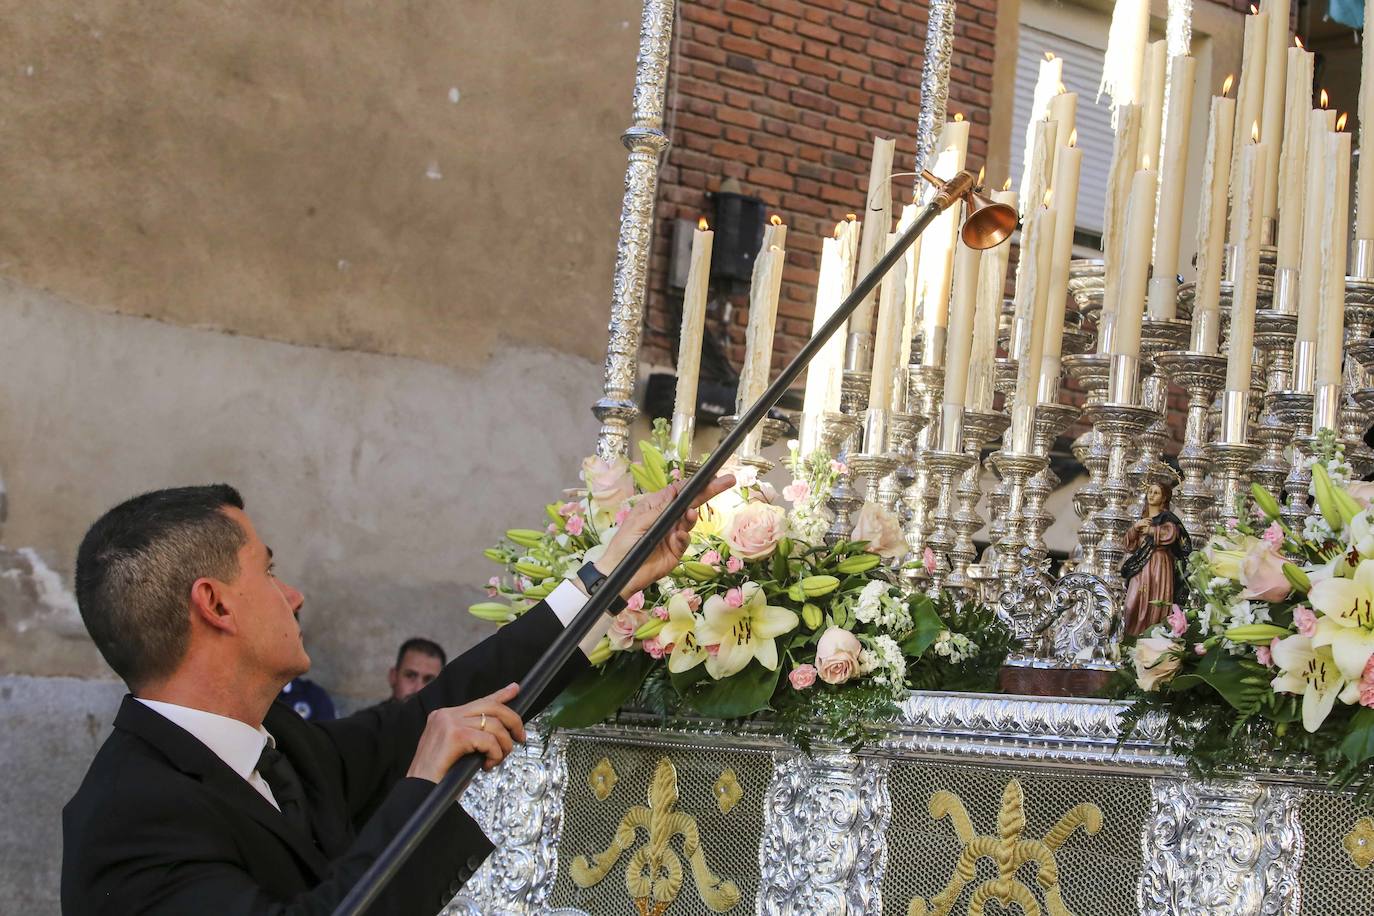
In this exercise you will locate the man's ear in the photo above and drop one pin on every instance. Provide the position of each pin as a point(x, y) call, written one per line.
point(208, 605)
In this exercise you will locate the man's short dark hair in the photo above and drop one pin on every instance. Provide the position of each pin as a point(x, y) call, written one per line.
point(424, 646)
point(135, 568)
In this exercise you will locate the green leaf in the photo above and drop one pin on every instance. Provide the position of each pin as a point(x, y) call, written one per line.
point(741, 695)
point(597, 694)
point(1224, 674)
point(1358, 745)
point(780, 570)
point(684, 681)
point(926, 629)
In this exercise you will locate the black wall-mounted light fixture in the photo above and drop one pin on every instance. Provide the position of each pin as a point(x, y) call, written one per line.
point(738, 225)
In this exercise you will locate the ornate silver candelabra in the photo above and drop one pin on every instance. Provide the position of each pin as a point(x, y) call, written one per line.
point(926, 387)
point(1274, 336)
point(1092, 371)
point(1231, 463)
point(1119, 425)
point(1015, 470)
point(946, 466)
point(1156, 337)
point(980, 428)
point(1050, 421)
point(1355, 417)
point(1201, 375)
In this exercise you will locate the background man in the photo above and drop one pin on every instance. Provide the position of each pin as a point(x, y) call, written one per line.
point(418, 662)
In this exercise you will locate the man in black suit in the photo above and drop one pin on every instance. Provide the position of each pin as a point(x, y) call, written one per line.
point(208, 797)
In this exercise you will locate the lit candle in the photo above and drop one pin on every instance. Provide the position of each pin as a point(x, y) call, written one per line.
point(937, 253)
point(1135, 266)
point(690, 337)
point(1293, 162)
point(1048, 84)
point(1064, 112)
point(1125, 157)
point(1335, 234)
point(765, 286)
point(1240, 353)
point(888, 338)
point(1319, 125)
point(992, 285)
point(1038, 169)
point(877, 222)
point(1068, 164)
point(967, 262)
point(1156, 68)
point(1249, 97)
point(1173, 174)
point(1276, 59)
point(1211, 228)
point(1035, 268)
point(1364, 188)
point(1124, 61)
point(824, 374)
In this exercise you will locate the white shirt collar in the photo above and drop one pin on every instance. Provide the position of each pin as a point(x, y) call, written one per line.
point(237, 743)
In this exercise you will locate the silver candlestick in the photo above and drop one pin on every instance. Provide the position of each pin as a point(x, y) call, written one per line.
point(903, 430)
point(1015, 470)
point(1231, 463)
point(1004, 383)
point(1050, 421)
point(1092, 372)
point(946, 466)
point(1294, 409)
point(1201, 375)
point(1274, 336)
point(841, 432)
point(1359, 321)
point(1119, 425)
point(1156, 336)
point(926, 385)
point(980, 428)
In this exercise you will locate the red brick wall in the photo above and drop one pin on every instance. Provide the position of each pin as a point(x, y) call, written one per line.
point(786, 96)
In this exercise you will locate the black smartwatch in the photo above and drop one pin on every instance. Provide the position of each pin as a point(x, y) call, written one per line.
point(592, 579)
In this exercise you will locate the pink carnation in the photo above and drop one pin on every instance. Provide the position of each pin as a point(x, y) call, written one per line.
point(575, 524)
point(734, 598)
point(693, 599)
point(1199, 649)
point(653, 647)
point(568, 509)
point(1265, 656)
point(802, 676)
point(1305, 621)
point(661, 613)
point(928, 560)
point(1178, 621)
point(635, 602)
point(1273, 534)
point(1367, 683)
point(552, 529)
point(796, 491)
point(711, 558)
point(734, 565)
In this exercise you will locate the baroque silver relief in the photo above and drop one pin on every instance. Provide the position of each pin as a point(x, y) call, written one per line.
point(1085, 627)
point(824, 846)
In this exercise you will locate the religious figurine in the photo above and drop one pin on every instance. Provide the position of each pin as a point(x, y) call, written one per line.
point(1158, 545)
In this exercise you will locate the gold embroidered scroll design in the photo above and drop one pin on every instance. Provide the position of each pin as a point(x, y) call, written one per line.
point(1359, 843)
point(1008, 850)
point(654, 873)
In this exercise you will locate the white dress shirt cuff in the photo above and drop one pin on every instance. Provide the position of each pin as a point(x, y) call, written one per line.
point(565, 601)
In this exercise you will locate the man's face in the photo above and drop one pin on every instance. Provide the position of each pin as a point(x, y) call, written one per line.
point(415, 671)
point(266, 609)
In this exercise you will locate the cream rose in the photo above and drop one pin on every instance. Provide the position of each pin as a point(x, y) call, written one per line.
point(1226, 558)
point(837, 656)
point(881, 529)
point(608, 482)
point(1261, 572)
point(622, 632)
point(1156, 661)
point(1362, 490)
point(755, 529)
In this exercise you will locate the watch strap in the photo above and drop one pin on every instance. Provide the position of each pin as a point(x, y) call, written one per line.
point(592, 579)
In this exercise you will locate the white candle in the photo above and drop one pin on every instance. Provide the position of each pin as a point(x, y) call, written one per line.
point(910, 261)
point(937, 252)
point(824, 374)
point(1335, 235)
point(1135, 266)
point(1364, 189)
point(1293, 162)
point(967, 262)
point(888, 337)
point(766, 284)
point(1047, 86)
point(1275, 92)
point(1211, 229)
point(1037, 262)
point(1125, 156)
point(1173, 175)
point(877, 222)
point(1124, 61)
point(992, 285)
point(1068, 164)
point(1250, 97)
point(690, 335)
point(1240, 353)
point(1152, 127)
point(1312, 263)
point(1038, 169)
point(1064, 112)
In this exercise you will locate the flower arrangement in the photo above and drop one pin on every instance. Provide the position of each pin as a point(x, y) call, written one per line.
point(1279, 634)
point(760, 614)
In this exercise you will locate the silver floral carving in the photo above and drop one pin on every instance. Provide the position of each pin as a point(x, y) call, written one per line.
point(520, 806)
point(934, 83)
point(1086, 629)
point(824, 844)
point(646, 142)
point(1222, 847)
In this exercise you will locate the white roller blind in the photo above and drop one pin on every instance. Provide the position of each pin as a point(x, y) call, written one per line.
point(1082, 72)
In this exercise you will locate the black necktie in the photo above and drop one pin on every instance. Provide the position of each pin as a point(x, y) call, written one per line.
point(286, 787)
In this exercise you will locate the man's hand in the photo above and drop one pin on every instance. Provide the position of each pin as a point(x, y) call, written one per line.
point(671, 548)
point(486, 726)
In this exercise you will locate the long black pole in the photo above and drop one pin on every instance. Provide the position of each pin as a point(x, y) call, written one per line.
point(541, 675)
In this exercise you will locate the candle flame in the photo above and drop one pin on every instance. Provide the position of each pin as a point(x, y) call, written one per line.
point(1063, 89)
point(1254, 132)
point(1340, 122)
point(1073, 137)
point(1297, 40)
point(839, 228)
point(1254, 10)
point(775, 220)
point(1049, 55)
point(958, 116)
point(982, 170)
point(1226, 86)
point(852, 217)
point(1324, 99)
point(1006, 185)
point(702, 224)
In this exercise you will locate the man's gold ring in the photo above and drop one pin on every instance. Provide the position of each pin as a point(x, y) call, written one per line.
point(482, 726)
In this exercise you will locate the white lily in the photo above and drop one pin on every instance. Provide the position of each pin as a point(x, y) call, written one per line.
point(1347, 601)
point(1351, 647)
point(743, 633)
point(1361, 532)
point(1313, 674)
point(680, 632)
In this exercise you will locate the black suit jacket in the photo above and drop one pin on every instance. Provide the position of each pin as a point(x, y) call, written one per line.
point(161, 825)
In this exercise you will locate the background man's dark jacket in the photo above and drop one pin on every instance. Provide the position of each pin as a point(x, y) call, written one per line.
point(161, 825)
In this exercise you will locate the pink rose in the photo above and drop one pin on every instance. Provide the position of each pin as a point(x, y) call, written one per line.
point(1199, 649)
point(1367, 683)
point(734, 598)
point(802, 677)
point(734, 565)
point(493, 587)
point(568, 509)
point(574, 524)
point(796, 491)
point(608, 482)
point(622, 632)
point(928, 560)
point(1261, 572)
point(881, 529)
point(711, 558)
point(838, 467)
point(635, 602)
point(1273, 535)
point(755, 529)
point(1265, 656)
point(1305, 621)
point(1178, 621)
point(653, 647)
point(837, 656)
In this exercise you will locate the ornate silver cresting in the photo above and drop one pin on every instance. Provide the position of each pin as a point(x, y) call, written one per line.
point(646, 142)
point(1201, 375)
point(824, 845)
